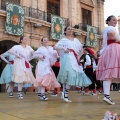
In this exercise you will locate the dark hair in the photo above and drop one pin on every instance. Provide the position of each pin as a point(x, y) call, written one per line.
point(98, 51)
point(65, 29)
point(21, 38)
point(109, 18)
point(42, 39)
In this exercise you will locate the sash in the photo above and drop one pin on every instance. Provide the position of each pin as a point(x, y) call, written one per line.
point(112, 41)
point(12, 62)
point(71, 50)
point(27, 64)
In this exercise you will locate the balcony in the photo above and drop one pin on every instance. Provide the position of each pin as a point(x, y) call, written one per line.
point(35, 13)
point(83, 27)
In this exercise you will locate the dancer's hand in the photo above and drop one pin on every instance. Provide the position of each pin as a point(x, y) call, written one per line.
point(67, 51)
point(8, 62)
point(42, 58)
point(17, 56)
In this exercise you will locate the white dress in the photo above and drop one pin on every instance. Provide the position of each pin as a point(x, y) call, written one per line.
point(44, 74)
point(70, 71)
point(6, 76)
point(22, 72)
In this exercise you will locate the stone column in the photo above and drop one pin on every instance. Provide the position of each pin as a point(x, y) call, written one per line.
point(64, 10)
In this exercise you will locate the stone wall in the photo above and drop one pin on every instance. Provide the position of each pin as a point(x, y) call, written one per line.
point(69, 9)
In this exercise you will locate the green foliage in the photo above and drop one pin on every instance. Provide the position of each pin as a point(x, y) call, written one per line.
point(34, 62)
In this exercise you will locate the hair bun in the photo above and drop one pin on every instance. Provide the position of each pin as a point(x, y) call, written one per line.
point(20, 39)
point(106, 22)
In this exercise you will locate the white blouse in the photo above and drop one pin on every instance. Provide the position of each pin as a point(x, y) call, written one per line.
point(50, 57)
point(106, 31)
point(22, 52)
point(75, 45)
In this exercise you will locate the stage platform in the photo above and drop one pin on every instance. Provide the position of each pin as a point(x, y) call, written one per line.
point(81, 108)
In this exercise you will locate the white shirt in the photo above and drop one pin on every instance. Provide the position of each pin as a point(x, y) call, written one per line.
point(94, 66)
point(88, 61)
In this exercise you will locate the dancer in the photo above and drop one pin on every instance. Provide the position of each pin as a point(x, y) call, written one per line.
point(21, 68)
point(88, 68)
point(6, 76)
point(97, 82)
point(109, 70)
point(45, 77)
point(71, 72)
point(55, 69)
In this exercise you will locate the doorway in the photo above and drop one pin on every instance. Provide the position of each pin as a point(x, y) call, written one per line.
point(4, 46)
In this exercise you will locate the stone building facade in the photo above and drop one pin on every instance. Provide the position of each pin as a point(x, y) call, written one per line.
point(37, 19)
point(37, 12)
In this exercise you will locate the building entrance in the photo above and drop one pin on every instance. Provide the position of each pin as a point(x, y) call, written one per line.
point(4, 46)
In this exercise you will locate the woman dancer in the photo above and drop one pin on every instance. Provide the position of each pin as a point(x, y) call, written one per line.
point(109, 63)
point(21, 68)
point(6, 76)
point(71, 72)
point(45, 77)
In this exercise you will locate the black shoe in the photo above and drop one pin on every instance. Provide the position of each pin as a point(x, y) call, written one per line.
point(43, 97)
point(53, 94)
point(10, 94)
point(39, 94)
point(20, 96)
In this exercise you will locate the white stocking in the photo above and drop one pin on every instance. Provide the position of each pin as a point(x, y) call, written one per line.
point(39, 89)
point(10, 88)
point(64, 86)
point(106, 87)
point(20, 85)
point(42, 90)
point(67, 86)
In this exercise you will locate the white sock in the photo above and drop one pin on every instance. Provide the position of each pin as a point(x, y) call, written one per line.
point(42, 90)
point(64, 86)
point(39, 89)
point(20, 85)
point(10, 88)
point(67, 86)
point(106, 87)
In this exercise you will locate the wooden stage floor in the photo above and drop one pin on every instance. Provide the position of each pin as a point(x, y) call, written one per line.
point(81, 108)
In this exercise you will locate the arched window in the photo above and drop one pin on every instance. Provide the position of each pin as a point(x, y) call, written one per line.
point(53, 7)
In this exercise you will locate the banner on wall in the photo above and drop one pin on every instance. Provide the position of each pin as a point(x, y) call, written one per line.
point(14, 19)
point(57, 27)
point(91, 39)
